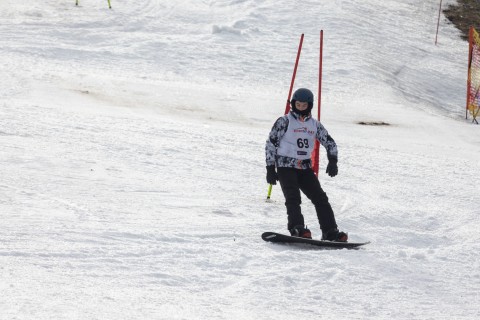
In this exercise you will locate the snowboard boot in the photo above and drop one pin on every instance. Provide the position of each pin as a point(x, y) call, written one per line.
point(300, 231)
point(334, 235)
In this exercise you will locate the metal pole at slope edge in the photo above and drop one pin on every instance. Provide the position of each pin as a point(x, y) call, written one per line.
point(438, 21)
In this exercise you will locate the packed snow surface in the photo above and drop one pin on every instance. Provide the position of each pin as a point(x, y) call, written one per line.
point(133, 174)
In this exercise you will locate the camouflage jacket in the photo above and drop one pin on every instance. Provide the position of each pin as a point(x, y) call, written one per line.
point(276, 134)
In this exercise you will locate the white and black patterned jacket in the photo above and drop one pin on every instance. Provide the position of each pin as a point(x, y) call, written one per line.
point(277, 133)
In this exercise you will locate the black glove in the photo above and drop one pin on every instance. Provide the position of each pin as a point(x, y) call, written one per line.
point(272, 175)
point(332, 168)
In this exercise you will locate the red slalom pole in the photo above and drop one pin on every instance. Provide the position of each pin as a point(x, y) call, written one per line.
point(320, 69)
point(316, 149)
point(287, 107)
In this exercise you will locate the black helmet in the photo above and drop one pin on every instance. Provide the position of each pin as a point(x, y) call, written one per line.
point(302, 95)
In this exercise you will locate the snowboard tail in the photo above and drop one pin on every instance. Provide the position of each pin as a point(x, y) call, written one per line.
point(282, 238)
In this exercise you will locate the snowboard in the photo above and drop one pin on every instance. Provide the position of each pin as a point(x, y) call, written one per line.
point(282, 238)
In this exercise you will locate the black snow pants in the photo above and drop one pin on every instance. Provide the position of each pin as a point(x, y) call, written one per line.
point(292, 181)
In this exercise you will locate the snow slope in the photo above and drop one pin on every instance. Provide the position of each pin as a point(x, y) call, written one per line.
point(132, 161)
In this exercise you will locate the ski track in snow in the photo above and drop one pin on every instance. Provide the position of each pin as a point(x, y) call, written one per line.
point(132, 155)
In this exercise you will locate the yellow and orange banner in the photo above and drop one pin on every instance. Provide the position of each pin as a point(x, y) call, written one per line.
point(473, 80)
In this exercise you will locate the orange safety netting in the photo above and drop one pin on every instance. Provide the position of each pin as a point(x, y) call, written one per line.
point(473, 86)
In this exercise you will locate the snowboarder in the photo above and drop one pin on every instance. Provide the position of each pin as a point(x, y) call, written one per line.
point(288, 149)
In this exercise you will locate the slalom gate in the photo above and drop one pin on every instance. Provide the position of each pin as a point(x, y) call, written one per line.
point(316, 150)
point(473, 80)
